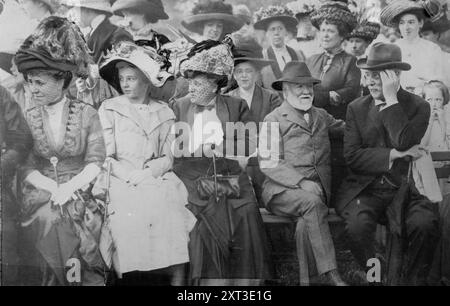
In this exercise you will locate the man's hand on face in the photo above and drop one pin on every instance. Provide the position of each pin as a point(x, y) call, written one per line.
point(391, 84)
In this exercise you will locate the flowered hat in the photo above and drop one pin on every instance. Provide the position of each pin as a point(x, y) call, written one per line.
point(335, 12)
point(56, 44)
point(390, 14)
point(152, 64)
point(264, 16)
point(212, 10)
point(303, 8)
point(210, 57)
point(152, 9)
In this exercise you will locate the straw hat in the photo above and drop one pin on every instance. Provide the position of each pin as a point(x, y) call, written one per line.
point(366, 30)
point(389, 15)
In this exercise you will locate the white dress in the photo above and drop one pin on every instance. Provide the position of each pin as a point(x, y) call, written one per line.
point(149, 223)
point(427, 62)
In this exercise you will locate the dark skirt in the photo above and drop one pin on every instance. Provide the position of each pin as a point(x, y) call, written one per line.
point(229, 240)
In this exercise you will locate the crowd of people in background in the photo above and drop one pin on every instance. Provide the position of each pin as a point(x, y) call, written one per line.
point(94, 98)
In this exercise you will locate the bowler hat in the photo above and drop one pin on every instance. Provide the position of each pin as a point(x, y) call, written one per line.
point(295, 72)
point(383, 56)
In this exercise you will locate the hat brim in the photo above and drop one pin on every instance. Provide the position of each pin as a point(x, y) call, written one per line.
point(195, 23)
point(109, 73)
point(288, 21)
point(145, 7)
point(278, 84)
point(258, 62)
point(391, 20)
point(98, 7)
point(362, 64)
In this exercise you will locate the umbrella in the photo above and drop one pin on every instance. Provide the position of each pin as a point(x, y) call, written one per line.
point(398, 243)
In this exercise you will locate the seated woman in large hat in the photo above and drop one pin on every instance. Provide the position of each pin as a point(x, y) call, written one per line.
point(426, 58)
point(248, 62)
point(61, 222)
point(149, 221)
point(212, 19)
point(228, 244)
point(276, 21)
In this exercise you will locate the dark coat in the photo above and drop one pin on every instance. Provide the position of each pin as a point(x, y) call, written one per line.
point(104, 37)
point(342, 77)
point(371, 135)
point(264, 101)
point(272, 72)
point(15, 136)
point(304, 150)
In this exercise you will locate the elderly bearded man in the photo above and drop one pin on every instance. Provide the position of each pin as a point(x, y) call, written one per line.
point(382, 135)
point(298, 180)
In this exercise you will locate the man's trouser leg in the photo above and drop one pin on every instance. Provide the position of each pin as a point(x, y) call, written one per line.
point(300, 203)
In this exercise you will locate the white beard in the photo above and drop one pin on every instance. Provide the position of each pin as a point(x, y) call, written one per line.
point(300, 104)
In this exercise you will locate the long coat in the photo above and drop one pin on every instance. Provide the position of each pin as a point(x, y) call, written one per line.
point(304, 149)
point(139, 137)
point(342, 77)
point(16, 141)
point(264, 101)
point(229, 240)
point(371, 135)
point(104, 37)
point(272, 72)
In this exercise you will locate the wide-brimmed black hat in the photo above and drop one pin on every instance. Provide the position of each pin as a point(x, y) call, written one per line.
point(297, 73)
point(383, 56)
point(152, 9)
point(248, 50)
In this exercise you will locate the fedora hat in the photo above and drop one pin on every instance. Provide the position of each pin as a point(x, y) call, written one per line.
point(99, 5)
point(297, 73)
point(152, 9)
point(383, 56)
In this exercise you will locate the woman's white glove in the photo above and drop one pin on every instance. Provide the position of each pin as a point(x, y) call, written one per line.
point(40, 181)
point(64, 194)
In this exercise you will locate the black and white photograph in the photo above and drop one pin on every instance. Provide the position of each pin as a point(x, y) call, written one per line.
point(240, 144)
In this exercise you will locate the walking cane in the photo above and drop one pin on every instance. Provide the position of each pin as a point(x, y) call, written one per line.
point(54, 161)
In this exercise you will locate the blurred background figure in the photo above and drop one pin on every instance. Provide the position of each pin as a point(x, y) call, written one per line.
point(212, 19)
point(361, 37)
point(426, 57)
point(38, 10)
point(139, 18)
point(243, 12)
point(102, 34)
point(276, 21)
point(306, 38)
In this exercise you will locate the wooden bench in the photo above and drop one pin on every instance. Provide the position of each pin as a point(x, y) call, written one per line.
point(333, 218)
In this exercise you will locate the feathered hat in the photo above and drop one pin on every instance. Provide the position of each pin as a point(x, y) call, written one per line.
point(336, 12)
point(264, 16)
point(152, 9)
point(207, 10)
point(365, 29)
point(56, 44)
point(152, 63)
point(210, 57)
point(303, 8)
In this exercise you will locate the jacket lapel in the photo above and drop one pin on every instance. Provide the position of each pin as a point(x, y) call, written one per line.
point(293, 115)
point(222, 111)
point(274, 64)
point(257, 104)
point(99, 37)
